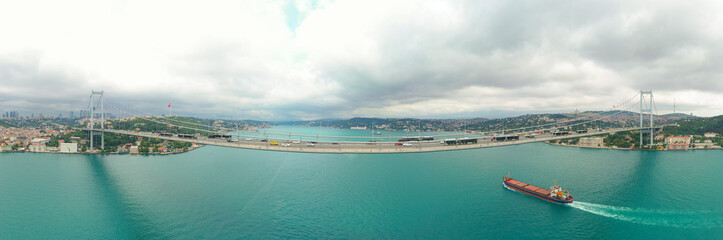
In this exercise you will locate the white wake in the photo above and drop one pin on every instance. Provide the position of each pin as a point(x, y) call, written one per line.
point(685, 219)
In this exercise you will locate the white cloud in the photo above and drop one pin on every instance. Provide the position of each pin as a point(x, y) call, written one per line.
point(349, 58)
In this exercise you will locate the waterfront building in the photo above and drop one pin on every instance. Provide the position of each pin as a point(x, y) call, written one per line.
point(68, 147)
point(706, 144)
point(678, 147)
point(38, 147)
point(677, 139)
point(133, 150)
point(710, 135)
point(592, 142)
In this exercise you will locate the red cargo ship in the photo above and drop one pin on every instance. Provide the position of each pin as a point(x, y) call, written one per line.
point(555, 194)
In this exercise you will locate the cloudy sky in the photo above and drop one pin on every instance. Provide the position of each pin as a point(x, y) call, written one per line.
point(282, 60)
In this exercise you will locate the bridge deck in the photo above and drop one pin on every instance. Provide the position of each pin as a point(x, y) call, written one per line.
point(361, 147)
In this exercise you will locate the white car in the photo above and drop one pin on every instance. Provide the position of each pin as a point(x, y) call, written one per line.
point(285, 144)
point(406, 144)
point(296, 142)
point(309, 144)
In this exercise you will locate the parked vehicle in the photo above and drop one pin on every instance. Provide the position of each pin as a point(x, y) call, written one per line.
point(416, 139)
point(219, 136)
point(310, 144)
point(189, 136)
point(274, 143)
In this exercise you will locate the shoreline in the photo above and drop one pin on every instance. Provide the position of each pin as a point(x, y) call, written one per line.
point(578, 146)
point(100, 153)
point(630, 149)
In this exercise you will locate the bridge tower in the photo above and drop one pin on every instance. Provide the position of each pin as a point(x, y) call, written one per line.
point(91, 109)
point(646, 109)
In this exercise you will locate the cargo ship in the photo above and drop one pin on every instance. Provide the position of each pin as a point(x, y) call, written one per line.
point(555, 194)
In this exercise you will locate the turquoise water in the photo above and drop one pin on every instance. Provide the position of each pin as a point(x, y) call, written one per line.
point(335, 134)
point(225, 193)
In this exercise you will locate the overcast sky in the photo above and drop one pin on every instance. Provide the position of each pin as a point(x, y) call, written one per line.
point(284, 60)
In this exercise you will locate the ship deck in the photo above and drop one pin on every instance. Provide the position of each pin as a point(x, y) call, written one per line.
point(529, 187)
point(533, 190)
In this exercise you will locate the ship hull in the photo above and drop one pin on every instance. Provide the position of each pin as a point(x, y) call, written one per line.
point(536, 194)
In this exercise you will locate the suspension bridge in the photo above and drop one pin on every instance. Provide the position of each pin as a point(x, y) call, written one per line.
point(227, 137)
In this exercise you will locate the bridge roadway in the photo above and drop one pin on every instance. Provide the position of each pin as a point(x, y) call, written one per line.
point(361, 147)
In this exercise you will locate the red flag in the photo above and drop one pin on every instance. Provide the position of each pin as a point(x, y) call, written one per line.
point(169, 105)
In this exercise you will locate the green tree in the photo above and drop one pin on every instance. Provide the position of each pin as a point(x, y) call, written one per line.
point(697, 126)
point(619, 139)
point(53, 142)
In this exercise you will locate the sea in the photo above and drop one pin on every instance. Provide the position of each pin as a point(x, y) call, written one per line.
point(228, 193)
point(328, 134)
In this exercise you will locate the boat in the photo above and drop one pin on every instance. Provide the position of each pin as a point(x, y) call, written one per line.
point(555, 194)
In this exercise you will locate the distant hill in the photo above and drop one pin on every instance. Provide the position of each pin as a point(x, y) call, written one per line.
point(581, 120)
point(697, 126)
point(184, 125)
point(680, 115)
point(36, 122)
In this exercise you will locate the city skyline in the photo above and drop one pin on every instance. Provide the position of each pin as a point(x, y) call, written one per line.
point(303, 60)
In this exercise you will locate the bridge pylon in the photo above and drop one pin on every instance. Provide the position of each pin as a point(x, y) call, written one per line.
point(646, 108)
point(91, 110)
